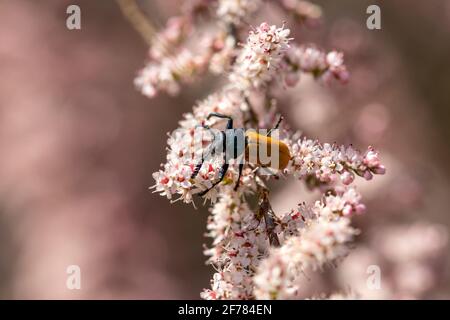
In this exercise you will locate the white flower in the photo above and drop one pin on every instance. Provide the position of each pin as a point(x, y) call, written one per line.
point(310, 236)
point(239, 244)
point(261, 57)
point(223, 50)
point(313, 236)
point(428, 240)
point(320, 242)
point(320, 64)
point(166, 74)
point(303, 10)
point(170, 37)
point(346, 202)
point(235, 11)
point(326, 162)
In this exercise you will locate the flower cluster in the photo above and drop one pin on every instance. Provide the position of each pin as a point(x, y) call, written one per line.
point(327, 162)
point(235, 11)
point(412, 272)
point(266, 57)
point(312, 236)
point(167, 73)
point(176, 31)
point(223, 51)
point(260, 59)
point(304, 11)
point(323, 241)
point(322, 65)
point(177, 57)
point(243, 238)
point(239, 244)
point(406, 273)
point(321, 235)
point(170, 62)
point(428, 241)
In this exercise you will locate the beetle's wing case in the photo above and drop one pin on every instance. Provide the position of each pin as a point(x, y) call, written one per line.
point(266, 151)
point(216, 146)
point(235, 143)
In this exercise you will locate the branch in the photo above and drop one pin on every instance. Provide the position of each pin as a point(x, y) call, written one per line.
point(265, 211)
point(140, 22)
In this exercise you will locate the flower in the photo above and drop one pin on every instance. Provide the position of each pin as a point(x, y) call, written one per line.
point(346, 201)
point(239, 244)
point(166, 74)
point(235, 11)
point(309, 59)
point(261, 57)
point(326, 162)
point(313, 236)
point(428, 241)
point(304, 11)
point(171, 37)
point(321, 241)
point(223, 48)
point(310, 236)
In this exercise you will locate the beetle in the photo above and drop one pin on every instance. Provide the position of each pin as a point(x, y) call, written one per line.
point(233, 143)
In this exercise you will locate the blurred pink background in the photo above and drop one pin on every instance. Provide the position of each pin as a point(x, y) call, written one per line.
point(78, 146)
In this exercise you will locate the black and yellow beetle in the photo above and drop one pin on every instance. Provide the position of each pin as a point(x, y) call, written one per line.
point(233, 143)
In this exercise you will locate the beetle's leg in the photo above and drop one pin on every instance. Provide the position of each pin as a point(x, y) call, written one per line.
point(276, 126)
point(209, 152)
point(241, 166)
point(222, 116)
point(197, 169)
point(218, 115)
point(225, 165)
point(223, 171)
point(202, 126)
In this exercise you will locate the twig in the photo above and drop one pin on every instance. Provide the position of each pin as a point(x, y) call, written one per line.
point(264, 208)
point(265, 211)
point(145, 28)
point(253, 115)
point(138, 19)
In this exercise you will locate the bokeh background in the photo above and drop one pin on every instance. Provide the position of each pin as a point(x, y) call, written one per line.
point(78, 146)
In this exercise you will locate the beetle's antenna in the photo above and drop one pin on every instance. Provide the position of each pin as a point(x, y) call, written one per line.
point(279, 121)
point(213, 135)
point(276, 126)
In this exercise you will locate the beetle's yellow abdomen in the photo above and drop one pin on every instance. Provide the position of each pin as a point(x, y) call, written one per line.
point(266, 151)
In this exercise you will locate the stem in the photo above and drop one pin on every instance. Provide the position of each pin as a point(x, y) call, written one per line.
point(142, 24)
point(138, 19)
point(253, 116)
point(265, 211)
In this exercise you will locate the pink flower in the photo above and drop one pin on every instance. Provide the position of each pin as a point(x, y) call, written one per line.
point(261, 57)
point(324, 66)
